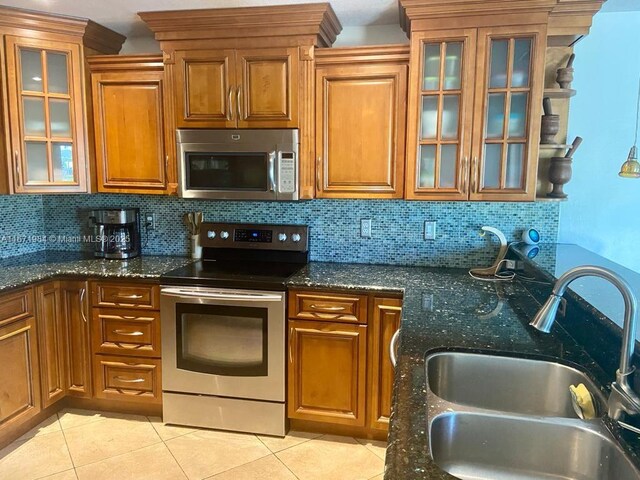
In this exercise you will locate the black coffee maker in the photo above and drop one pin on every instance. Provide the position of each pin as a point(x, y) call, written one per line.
point(117, 232)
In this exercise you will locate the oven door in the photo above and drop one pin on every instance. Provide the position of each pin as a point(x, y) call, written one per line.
point(227, 343)
point(211, 171)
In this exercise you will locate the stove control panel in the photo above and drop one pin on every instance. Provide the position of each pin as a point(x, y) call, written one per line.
point(255, 236)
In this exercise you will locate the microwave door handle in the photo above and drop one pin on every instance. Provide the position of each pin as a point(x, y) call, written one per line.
point(272, 171)
point(178, 292)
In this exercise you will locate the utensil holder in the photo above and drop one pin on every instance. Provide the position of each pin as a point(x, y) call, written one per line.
point(559, 176)
point(196, 248)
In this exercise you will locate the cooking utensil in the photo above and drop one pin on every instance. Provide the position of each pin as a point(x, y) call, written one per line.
point(574, 146)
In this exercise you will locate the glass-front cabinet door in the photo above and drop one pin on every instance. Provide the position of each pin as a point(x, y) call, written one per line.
point(508, 101)
point(441, 112)
point(46, 116)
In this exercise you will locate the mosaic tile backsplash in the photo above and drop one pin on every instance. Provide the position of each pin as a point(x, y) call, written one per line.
point(397, 232)
point(21, 224)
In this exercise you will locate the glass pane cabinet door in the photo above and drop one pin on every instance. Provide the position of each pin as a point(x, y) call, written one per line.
point(503, 150)
point(43, 100)
point(440, 167)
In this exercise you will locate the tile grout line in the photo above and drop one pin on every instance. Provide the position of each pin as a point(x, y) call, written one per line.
point(287, 466)
point(73, 464)
point(174, 458)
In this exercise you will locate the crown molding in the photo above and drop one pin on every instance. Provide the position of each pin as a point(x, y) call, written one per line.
point(316, 20)
point(94, 36)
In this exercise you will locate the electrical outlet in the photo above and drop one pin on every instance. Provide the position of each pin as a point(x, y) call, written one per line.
point(150, 221)
point(365, 228)
point(429, 230)
point(427, 302)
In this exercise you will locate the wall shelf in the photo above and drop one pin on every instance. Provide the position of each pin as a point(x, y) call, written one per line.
point(559, 92)
point(554, 146)
point(550, 199)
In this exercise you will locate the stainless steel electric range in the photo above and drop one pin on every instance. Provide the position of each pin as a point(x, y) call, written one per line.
point(223, 328)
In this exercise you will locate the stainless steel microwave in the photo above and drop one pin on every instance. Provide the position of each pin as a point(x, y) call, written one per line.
point(238, 164)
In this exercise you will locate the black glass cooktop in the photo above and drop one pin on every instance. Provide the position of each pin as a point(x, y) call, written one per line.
point(234, 274)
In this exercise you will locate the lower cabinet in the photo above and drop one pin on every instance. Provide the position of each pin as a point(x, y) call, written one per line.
point(128, 379)
point(74, 304)
point(19, 375)
point(51, 342)
point(339, 369)
point(327, 372)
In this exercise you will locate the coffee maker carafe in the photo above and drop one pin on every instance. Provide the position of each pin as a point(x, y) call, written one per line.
point(117, 232)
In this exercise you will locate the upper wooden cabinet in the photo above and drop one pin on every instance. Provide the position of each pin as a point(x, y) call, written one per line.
point(256, 88)
point(45, 107)
point(360, 104)
point(132, 155)
point(474, 111)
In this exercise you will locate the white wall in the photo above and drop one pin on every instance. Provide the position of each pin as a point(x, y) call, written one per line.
point(603, 211)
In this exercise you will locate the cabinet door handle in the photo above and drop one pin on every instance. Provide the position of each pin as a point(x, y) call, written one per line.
point(331, 308)
point(229, 106)
point(318, 173)
point(128, 380)
point(238, 106)
point(82, 293)
point(127, 333)
point(133, 296)
point(16, 157)
point(474, 175)
point(290, 346)
point(392, 348)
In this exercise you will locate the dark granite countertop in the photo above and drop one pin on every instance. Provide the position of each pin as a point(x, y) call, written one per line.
point(34, 267)
point(443, 309)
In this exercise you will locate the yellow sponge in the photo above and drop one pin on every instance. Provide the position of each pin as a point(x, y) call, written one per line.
point(582, 401)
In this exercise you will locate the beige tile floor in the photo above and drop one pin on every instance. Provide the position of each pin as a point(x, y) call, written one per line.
point(82, 444)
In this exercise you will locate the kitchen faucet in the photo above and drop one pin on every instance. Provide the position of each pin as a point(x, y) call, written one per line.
point(622, 398)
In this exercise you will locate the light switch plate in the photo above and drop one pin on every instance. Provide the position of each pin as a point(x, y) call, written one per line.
point(429, 230)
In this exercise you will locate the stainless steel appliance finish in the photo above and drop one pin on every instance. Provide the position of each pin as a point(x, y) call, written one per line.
point(223, 328)
point(117, 232)
point(238, 164)
point(476, 447)
point(623, 398)
point(524, 430)
point(507, 384)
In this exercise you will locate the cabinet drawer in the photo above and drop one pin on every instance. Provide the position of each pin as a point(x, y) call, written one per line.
point(17, 305)
point(128, 295)
point(126, 332)
point(333, 307)
point(128, 379)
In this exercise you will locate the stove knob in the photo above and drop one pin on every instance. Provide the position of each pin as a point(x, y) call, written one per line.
point(211, 234)
point(224, 235)
point(296, 237)
point(282, 237)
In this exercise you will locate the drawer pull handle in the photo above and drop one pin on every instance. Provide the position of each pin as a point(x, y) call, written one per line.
point(133, 296)
point(129, 317)
point(128, 333)
point(128, 380)
point(331, 308)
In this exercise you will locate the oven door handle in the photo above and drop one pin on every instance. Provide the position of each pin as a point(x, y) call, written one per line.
point(254, 297)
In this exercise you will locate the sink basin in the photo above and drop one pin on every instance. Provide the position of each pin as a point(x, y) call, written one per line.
point(474, 446)
point(507, 384)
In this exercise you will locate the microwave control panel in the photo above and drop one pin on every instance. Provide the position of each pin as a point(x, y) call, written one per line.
point(287, 172)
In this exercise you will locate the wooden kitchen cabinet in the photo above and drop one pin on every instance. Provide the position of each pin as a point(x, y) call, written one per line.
point(45, 100)
point(20, 375)
point(386, 314)
point(474, 112)
point(128, 121)
point(327, 372)
point(51, 342)
point(360, 104)
point(252, 88)
point(74, 301)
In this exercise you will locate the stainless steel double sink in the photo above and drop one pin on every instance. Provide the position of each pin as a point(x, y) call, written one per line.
point(497, 417)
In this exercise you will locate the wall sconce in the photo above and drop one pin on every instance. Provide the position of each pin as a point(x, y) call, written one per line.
point(631, 168)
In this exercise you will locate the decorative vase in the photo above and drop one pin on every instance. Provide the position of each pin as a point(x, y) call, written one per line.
point(196, 248)
point(559, 176)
